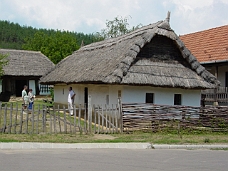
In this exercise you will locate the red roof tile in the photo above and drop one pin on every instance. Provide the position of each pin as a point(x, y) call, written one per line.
point(208, 45)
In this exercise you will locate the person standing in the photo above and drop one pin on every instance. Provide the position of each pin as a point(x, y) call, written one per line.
point(31, 99)
point(25, 98)
point(71, 97)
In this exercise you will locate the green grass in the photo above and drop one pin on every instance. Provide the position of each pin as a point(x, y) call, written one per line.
point(154, 138)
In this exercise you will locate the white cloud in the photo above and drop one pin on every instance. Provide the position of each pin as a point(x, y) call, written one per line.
point(192, 4)
point(90, 16)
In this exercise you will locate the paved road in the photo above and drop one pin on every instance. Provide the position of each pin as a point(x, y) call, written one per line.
point(113, 160)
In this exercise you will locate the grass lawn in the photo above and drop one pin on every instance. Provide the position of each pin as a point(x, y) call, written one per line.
point(154, 138)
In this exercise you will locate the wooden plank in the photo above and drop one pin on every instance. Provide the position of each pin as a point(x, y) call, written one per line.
point(79, 116)
point(116, 117)
point(51, 119)
point(26, 122)
point(75, 114)
point(15, 119)
point(120, 114)
point(44, 112)
point(90, 113)
point(102, 119)
point(21, 121)
point(33, 119)
point(1, 116)
point(110, 119)
point(64, 115)
point(38, 119)
point(98, 116)
point(11, 118)
point(54, 119)
point(5, 119)
point(60, 130)
point(113, 119)
point(106, 119)
point(95, 119)
point(85, 121)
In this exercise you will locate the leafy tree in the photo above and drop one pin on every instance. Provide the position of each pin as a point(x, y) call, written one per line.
point(13, 36)
point(3, 62)
point(56, 45)
point(117, 27)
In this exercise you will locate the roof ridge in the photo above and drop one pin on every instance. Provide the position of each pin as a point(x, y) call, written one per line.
point(21, 50)
point(214, 28)
point(115, 40)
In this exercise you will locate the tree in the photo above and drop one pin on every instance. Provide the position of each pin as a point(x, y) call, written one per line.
point(3, 62)
point(55, 46)
point(117, 27)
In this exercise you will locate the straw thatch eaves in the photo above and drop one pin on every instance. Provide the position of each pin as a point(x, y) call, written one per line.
point(26, 63)
point(152, 55)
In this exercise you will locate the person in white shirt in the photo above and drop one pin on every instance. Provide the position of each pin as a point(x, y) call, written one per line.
point(24, 98)
point(71, 101)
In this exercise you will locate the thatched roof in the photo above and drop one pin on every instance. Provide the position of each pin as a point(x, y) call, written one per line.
point(152, 55)
point(26, 63)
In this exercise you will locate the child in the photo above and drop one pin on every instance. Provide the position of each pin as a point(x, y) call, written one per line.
point(31, 99)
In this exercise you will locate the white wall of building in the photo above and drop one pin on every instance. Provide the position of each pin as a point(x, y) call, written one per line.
point(163, 96)
point(108, 94)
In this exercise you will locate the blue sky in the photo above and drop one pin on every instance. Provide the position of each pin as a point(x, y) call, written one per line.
point(89, 16)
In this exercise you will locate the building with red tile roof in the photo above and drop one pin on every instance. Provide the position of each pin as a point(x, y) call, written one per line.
point(210, 47)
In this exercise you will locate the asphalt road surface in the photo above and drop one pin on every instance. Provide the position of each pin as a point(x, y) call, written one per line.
point(113, 160)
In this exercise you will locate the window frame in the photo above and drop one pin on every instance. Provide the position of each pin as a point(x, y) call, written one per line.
point(146, 97)
point(177, 100)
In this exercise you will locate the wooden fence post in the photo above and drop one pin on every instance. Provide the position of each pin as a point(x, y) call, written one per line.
point(33, 119)
point(37, 124)
point(120, 114)
point(59, 120)
point(75, 114)
point(85, 121)
point(54, 119)
point(0, 114)
point(64, 115)
point(5, 119)
point(16, 114)
point(90, 114)
point(21, 120)
point(95, 119)
point(11, 118)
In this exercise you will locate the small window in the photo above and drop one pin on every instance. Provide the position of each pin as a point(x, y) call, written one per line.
point(177, 99)
point(107, 99)
point(149, 97)
point(119, 94)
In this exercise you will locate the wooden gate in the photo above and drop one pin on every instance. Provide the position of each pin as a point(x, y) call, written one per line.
point(106, 119)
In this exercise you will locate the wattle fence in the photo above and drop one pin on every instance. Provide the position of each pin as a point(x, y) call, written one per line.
point(151, 117)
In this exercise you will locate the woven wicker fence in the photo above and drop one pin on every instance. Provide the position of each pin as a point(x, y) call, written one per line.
point(152, 117)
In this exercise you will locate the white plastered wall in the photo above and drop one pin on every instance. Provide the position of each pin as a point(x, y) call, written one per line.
point(163, 96)
point(130, 94)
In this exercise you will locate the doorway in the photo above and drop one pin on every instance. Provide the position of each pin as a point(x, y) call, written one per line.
point(86, 96)
point(19, 84)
